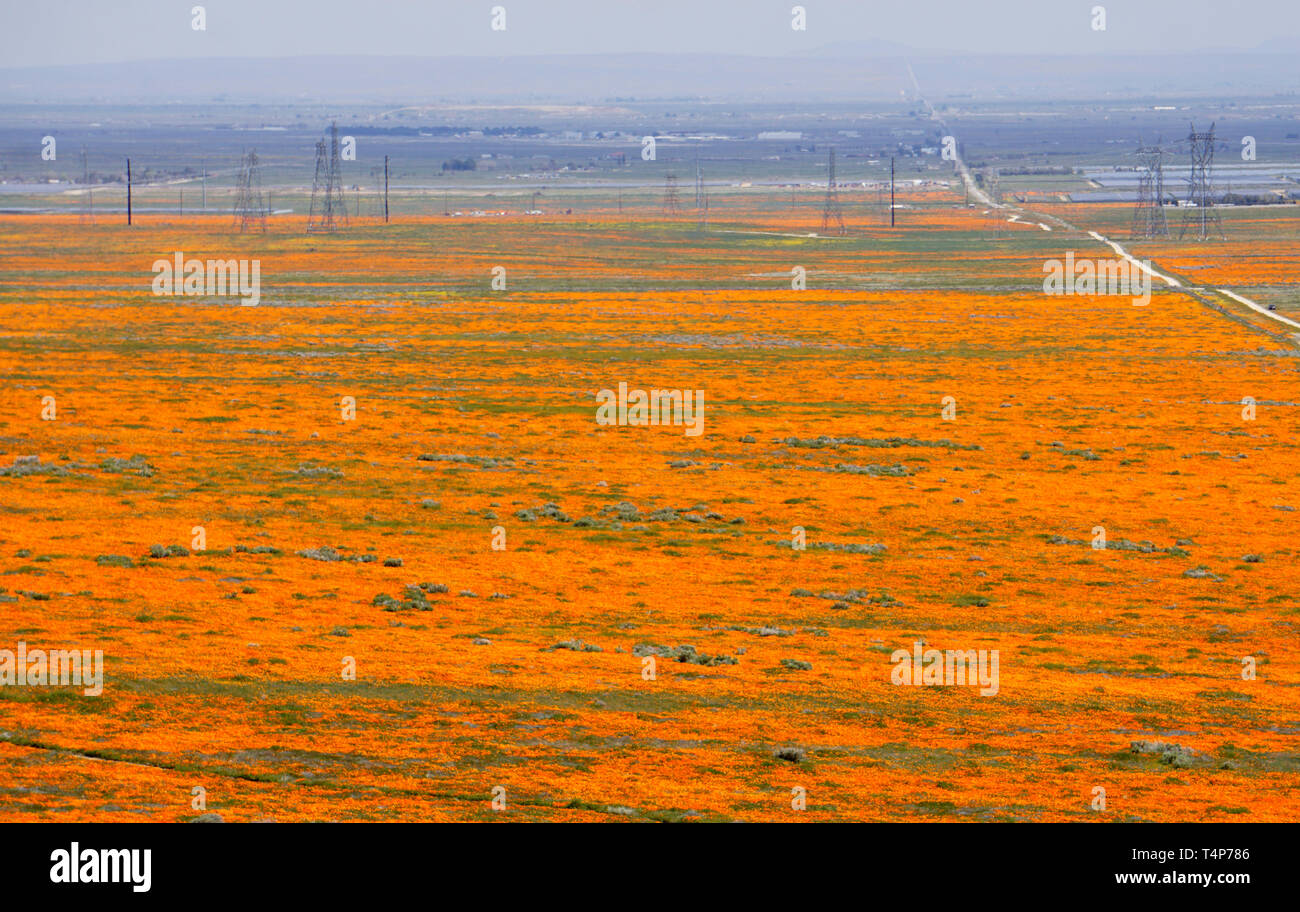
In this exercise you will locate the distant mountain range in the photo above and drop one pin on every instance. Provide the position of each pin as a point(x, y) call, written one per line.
point(883, 48)
point(839, 72)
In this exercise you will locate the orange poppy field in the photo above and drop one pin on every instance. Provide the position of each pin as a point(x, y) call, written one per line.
point(364, 552)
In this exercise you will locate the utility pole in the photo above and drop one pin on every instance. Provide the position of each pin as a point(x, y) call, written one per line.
point(205, 186)
point(385, 189)
point(128, 191)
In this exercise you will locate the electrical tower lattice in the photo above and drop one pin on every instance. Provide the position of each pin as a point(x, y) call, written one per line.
point(87, 214)
point(1201, 214)
point(1149, 215)
point(831, 210)
point(993, 217)
point(672, 203)
point(250, 206)
point(328, 210)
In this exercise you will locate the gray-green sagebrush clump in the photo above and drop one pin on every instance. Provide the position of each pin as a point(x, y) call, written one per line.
point(415, 597)
point(683, 653)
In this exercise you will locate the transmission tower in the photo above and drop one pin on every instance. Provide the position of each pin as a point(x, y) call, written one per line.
point(699, 184)
point(87, 214)
point(1201, 213)
point(250, 207)
point(831, 210)
point(322, 195)
point(993, 218)
point(892, 208)
point(672, 204)
point(328, 210)
point(1149, 214)
point(377, 175)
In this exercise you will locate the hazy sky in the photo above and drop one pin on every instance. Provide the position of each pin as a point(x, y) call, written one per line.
point(38, 32)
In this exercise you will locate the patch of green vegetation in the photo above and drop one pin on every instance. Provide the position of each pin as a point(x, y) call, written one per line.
point(114, 560)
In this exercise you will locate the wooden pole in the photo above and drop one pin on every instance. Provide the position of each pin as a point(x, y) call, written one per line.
point(128, 191)
point(385, 189)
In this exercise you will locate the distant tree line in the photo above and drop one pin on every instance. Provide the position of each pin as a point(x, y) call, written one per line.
point(1056, 169)
point(1248, 199)
point(371, 130)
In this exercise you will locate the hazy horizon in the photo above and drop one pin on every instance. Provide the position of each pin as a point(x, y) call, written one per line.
point(70, 32)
